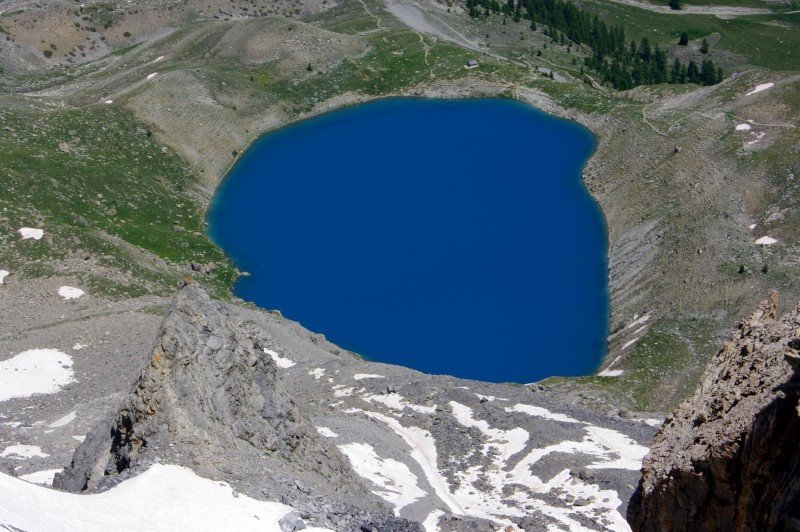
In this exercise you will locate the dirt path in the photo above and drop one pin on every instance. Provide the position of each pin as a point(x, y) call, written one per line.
point(717, 11)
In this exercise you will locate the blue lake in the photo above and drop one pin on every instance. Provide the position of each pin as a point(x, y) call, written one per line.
point(452, 237)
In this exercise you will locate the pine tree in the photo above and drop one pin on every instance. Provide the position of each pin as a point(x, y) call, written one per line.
point(674, 4)
point(692, 73)
point(704, 46)
point(684, 39)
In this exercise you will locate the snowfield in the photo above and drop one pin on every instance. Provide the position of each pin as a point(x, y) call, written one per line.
point(165, 497)
point(3, 275)
point(35, 371)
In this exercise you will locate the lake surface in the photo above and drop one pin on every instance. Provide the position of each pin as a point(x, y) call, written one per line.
point(452, 237)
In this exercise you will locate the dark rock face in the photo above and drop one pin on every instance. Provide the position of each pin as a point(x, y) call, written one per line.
point(729, 458)
point(211, 399)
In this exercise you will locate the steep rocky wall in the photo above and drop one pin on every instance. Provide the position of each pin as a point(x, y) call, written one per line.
point(729, 458)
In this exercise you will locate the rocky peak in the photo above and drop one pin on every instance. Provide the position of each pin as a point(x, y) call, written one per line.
point(210, 398)
point(729, 457)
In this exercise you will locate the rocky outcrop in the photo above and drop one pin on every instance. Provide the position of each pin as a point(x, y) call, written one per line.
point(210, 398)
point(729, 458)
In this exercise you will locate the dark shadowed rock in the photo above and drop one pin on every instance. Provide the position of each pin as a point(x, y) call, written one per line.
point(729, 458)
point(211, 399)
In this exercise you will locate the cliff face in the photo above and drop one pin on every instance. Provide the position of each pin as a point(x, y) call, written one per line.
point(729, 458)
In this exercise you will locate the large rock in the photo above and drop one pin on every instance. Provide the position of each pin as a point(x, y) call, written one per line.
point(729, 458)
point(211, 399)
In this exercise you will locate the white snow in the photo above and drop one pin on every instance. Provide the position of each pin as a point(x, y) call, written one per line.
point(362, 376)
point(654, 422)
point(743, 127)
point(151, 76)
point(3, 275)
point(23, 452)
point(108, 101)
point(395, 401)
point(30, 232)
point(163, 498)
point(761, 87)
point(328, 433)
point(66, 420)
point(397, 484)
point(505, 443)
point(341, 391)
point(629, 343)
point(44, 478)
point(638, 321)
point(538, 411)
point(157, 59)
point(766, 240)
point(431, 523)
point(751, 226)
point(35, 371)
point(70, 292)
point(489, 398)
point(610, 373)
point(79, 438)
point(612, 449)
point(282, 362)
point(317, 373)
point(78, 347)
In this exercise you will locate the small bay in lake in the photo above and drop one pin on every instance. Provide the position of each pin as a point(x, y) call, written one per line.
point(452, 237)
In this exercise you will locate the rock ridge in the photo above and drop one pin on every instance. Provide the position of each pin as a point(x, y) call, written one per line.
point(729, 457)
point(210, 397)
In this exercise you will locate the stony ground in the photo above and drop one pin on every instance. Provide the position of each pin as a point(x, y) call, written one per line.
point(433, 447)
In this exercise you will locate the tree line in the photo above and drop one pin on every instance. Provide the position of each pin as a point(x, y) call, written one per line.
point(620, 63)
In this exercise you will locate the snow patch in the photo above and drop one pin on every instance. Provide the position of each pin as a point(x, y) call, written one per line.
point(542, 412)
point(3, 275)
point(751, 226)
point(163, 498)
point(629, 343)
point(282, 362)
point(610, 373)
point(70, 292)
point(638, 321)
point(489, 398)
point(395, 401)
point(108, 102)
point(743, 127)
point(78, 347)
point(23, 452)
point(35, 371)
point(30, 232)
point(761, 87)
point(362, 376)
point(317, 373)
point(328, 433)
point(431, 523)
point(151, 76)
point(766, 241)
point(157, 59)
point(79, 438)
point(397, 484)
point(60, 422)
point(341, 391)
point(502, 443)
point(45, 478)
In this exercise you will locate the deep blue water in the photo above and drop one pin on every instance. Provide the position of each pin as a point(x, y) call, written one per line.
point(449, 236)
